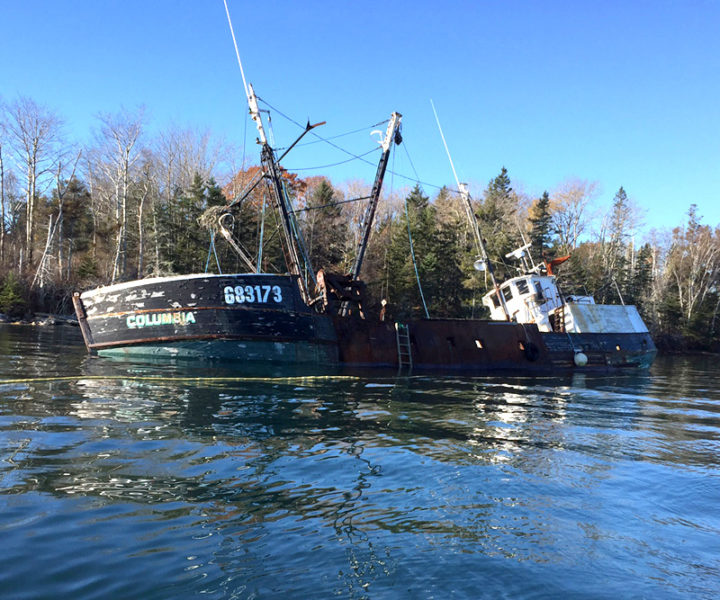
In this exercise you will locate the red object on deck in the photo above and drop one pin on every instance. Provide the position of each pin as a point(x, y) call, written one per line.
point(554, 263)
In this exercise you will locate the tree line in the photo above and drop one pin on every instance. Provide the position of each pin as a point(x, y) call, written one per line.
point(130, 205)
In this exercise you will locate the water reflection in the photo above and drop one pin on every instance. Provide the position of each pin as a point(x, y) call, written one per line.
point(254, 484)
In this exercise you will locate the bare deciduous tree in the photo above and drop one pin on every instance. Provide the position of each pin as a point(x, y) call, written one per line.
point(570, 205)
point(694, 263)
point(35, 136)
point(118, 152)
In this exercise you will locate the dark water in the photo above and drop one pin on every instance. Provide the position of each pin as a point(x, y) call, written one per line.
point(167, 481)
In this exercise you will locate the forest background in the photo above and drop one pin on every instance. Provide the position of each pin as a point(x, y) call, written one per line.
point(128, 206)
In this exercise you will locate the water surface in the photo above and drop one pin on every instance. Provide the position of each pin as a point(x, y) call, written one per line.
point(131, 480)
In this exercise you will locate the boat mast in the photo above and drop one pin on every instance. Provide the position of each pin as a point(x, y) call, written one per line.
point(293, 244)
point(292, 241)
point(474, 225)
point(480, 243)
point(392, 133)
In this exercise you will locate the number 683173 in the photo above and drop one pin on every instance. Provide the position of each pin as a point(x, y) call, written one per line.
point(242, 294)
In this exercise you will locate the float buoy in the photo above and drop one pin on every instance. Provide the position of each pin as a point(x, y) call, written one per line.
point(580, 359)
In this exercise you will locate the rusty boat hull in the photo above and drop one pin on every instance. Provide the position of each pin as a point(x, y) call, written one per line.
point(461, 345)
point(262, 318)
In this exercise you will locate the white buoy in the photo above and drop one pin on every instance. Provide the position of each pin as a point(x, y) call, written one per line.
point(581, 359)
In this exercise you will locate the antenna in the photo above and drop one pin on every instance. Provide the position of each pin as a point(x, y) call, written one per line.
point(442, 135)
point(484, 262)
point(237, 52)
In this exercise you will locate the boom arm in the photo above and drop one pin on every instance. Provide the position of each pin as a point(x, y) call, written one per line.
point(393, 132)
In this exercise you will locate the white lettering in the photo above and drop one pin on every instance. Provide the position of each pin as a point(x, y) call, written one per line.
point(155, 319)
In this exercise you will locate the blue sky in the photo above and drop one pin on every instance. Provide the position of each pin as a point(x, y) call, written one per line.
point(622, 93)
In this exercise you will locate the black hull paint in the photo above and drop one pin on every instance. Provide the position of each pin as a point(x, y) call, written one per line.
point(246, 317)
point(260, 317)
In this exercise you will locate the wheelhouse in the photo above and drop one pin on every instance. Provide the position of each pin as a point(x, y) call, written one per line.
point(530, 298)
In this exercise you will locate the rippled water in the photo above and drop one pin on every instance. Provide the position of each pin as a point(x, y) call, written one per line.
point(122, 480)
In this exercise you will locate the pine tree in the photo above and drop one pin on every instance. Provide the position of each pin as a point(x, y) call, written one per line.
point(541, 221)
point(403, 293)
point(325, 229)
point(614, 253)
point(496, 217)
point(12, 300)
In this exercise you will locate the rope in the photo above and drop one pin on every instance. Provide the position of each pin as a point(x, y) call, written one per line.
point(212, 243)
point(214, 249)
point(170, 380)
point(412, 254)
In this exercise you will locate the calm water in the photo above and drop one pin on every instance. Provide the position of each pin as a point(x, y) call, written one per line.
point(166, 481)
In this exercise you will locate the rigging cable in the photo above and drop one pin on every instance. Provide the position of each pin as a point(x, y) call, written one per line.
point(334, 137)
point(213, 250)
point(320, 138)
point(412, 249)
point(354, 156)
point(307, 208)
point(342, 162)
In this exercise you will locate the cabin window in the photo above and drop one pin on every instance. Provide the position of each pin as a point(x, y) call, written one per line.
point(479, 344)
point(522, 287)
point(539, 296)
point(495, 301)
point(507, 292)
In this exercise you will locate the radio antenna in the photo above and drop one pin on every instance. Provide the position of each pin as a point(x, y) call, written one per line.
point(484, 263)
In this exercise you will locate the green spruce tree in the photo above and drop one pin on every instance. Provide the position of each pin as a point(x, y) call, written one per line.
point(541, 222)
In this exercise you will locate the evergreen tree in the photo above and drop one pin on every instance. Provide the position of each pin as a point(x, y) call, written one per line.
point(640, 282)
point(12, 301)
point(403, 293)
point(325, 229)
point(451, 284)
point(496, 216)
point(186, 248)
point(541, 222)
point(616, 250)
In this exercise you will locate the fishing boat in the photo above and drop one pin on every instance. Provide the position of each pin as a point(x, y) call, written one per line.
point(533, 327)
point(597, 334)
point(244, 316)
point(247, 316)
point(304, 316)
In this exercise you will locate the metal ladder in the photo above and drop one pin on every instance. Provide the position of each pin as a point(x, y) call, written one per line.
point(561, 318)
point(402, 335)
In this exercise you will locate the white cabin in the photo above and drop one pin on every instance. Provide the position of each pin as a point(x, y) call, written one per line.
point(536, 299)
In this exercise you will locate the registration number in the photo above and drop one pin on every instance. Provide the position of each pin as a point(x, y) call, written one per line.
point(242, 294)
